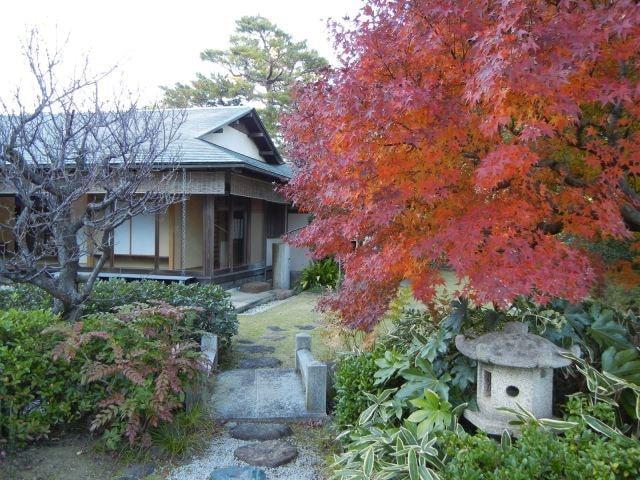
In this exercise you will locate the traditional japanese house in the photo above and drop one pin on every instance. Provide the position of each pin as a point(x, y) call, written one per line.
point(229, 212)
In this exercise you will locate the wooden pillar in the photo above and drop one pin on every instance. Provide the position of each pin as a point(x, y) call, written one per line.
point(230, 229)
point(208, 228)
point(156, 250)
point(171, 228)
point(112, 243)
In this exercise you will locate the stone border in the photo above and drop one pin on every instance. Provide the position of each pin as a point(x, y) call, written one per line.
point(313, 374)
point(209, 348)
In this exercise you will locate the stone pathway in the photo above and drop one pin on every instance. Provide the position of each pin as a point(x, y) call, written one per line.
point(259, 394)
point(227, 457)
point(251, 400)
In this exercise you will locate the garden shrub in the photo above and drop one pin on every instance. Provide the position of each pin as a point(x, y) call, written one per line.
point(353, 378)
point(24, 296)
point(142, 357)
point(422, 384)
point(216, 314)
point(539, 454)
point(126, 370)
point(320, 274)
point(37, 393)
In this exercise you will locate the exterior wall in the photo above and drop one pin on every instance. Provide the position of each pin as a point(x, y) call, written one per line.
point(256, 232)
point(194, 235)
point(299, 256)
point(235, 140)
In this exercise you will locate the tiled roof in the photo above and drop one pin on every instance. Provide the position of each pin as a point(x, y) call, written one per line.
point(194, 150)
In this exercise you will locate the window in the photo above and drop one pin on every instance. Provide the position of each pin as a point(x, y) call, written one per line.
point(136, 236)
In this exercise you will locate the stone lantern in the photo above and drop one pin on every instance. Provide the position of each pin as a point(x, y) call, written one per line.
point(514, 367)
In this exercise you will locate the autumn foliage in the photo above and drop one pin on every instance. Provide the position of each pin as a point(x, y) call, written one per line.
point(493, 136)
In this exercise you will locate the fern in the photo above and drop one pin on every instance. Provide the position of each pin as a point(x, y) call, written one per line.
point(143, 355)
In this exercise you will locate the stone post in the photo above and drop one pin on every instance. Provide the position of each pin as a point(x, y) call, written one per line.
point(303, 342)
point(316, 394)
point(281, 269)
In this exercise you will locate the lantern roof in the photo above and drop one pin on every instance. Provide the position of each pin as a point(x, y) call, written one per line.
point(515, 347)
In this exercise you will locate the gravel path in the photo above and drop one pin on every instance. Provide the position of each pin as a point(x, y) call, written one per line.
point(220, 455)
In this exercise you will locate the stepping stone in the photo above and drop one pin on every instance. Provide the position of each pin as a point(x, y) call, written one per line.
point(258, 349)
point(255, 287)
point(282, 294)
point(272, 453)
point(273, 338)
point(275, 328)
point(260, 431)
point(255, 349)
point(264, 362)
point(245, 342)
point(138, 471)
point(305, 327)
point(238, 473)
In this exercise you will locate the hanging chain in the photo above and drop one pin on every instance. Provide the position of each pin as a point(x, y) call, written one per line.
point(184, 219)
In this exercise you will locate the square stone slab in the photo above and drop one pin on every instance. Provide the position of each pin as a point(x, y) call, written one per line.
point(259, 395)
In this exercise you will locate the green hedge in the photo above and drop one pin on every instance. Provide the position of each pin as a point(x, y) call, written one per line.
point(217, 316)
point(124, 371)
point(37, 392)
point(353, 378)
point(539, 455)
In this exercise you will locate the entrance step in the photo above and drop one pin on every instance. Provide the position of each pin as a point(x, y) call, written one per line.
point(243, 301)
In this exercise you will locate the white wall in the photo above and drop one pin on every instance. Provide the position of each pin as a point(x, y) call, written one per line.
point(299, 256)
point(235, 140)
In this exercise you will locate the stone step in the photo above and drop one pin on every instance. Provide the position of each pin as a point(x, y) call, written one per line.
point(238, 473)
point(260, 431)
point(270, 453)
point(260, 395)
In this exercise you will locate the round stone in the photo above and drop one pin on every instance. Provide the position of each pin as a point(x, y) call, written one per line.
point(264, 362)
point(305, 327)
point(260, 431)
point(238, 473)
point(272, 453)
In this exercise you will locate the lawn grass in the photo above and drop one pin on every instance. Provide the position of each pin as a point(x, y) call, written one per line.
point(301, 310)
point(287, 315)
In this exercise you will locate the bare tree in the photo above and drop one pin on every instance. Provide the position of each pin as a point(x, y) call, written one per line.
point(78, 168)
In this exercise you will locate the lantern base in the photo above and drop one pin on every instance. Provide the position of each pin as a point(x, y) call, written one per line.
point(491, 425)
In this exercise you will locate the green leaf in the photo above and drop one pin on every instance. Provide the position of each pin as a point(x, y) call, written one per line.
point(624, 364)
point(413, 465)
point(607, 332)
point(505, 439)
point(368, 462)
point(607, 431)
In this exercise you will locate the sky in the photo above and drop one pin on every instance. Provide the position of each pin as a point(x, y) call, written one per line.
point(153, 42)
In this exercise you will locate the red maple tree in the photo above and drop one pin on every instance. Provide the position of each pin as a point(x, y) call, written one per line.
point(493, 136)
